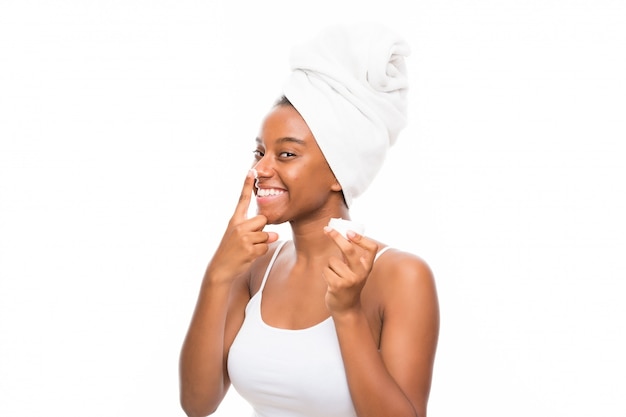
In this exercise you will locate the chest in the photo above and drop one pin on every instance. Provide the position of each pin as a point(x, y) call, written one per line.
point(298, 302)
point(279, 369)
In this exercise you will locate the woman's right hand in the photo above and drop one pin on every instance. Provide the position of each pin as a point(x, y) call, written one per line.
point(243, 241)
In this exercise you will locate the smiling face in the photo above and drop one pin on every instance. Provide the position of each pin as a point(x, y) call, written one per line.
point(294, 180)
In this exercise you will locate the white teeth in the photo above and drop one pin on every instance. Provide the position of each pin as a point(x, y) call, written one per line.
point(265, 192)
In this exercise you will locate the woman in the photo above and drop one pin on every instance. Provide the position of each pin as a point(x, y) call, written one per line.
point(320, 324)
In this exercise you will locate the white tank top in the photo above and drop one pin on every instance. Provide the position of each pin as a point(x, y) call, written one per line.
point(289, 373)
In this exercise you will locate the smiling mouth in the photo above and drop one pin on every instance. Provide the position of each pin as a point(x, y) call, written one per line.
point(267, 192)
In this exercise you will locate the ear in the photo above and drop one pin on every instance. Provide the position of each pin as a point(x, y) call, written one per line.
point(336, 186)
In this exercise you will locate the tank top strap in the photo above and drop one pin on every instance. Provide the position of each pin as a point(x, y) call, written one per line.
point(277, 251)
point(269, 266)
point(380, 252)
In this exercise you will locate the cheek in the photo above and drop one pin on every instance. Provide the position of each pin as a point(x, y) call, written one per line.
point(313, 175)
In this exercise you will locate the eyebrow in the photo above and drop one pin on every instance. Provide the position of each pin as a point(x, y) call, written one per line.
point(286, 139)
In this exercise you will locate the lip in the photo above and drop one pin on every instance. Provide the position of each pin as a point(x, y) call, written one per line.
point(267, 193)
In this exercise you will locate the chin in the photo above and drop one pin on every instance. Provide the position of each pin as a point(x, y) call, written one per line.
point(272, 218)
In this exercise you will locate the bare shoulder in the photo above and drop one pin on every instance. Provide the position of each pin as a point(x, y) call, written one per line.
point(401, 278)
point(402, 268)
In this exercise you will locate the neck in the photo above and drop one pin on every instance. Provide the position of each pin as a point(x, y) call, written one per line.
point(310, 241)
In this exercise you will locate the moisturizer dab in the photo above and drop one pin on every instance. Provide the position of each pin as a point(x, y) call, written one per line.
point(343, 225)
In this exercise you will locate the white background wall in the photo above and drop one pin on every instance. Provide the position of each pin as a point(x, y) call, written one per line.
point(126, 128)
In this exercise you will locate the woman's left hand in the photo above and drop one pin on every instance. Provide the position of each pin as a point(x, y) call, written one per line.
point(346, 277)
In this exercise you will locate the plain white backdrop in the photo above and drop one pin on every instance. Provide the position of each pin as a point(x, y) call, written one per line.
point(126, 129)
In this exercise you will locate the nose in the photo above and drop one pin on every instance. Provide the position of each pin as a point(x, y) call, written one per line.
point(263, 168)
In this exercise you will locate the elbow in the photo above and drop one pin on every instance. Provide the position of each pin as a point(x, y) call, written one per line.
point(193, 413)
point(194, 410)
point(199, 399)
point(197, 407)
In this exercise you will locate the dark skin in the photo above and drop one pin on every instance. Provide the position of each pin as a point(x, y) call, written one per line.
point(385, 313)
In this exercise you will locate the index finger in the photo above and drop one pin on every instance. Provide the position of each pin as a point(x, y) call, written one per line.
point(367, 244)
point(241, 211)
point(347, 246)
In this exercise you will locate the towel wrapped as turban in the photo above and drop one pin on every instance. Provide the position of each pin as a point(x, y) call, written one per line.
point(350, 86)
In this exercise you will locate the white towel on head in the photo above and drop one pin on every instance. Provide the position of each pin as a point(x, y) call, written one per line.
point(350, 85)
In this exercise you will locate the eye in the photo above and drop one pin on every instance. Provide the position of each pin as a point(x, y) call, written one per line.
point(286, 155)
point(258, 154)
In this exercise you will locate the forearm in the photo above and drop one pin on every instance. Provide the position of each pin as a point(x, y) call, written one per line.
point(202, 375)
point(374, 391)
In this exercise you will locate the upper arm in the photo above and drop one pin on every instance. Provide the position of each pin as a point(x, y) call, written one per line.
point(238, 299)
point(410, 326)
point(241, 291)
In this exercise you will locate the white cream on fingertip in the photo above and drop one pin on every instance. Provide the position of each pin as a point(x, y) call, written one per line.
point(343, 225)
